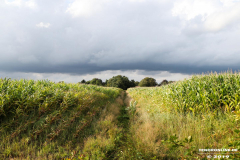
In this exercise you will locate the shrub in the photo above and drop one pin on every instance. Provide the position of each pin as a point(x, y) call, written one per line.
point(147, 82)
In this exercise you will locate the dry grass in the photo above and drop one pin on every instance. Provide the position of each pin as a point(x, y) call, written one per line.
point(127, 99)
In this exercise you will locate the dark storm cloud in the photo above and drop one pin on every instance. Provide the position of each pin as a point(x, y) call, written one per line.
point(146, 67)
point(53, 37)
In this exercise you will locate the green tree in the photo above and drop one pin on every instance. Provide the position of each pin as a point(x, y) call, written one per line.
point(164, 82)
point(148, 82)
point(132, 83)
point(96, 81)
point(136, 83)
point(105, 83)
point(83, 81)
point(119, 82)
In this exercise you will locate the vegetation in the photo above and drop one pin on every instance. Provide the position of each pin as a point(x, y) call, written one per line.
point(176, 120)
point(96, 81)
point(83, 81)
point(147, 82)
point(120, 82)
point(47, 120)
point(136, 83)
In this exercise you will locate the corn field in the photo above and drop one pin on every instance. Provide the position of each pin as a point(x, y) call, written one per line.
point(207, 93)
point(204, 107)
point(201, 93)
point(44, 119)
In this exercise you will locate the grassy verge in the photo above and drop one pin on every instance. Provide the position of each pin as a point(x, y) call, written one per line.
point(175, 121)
point(103, 144)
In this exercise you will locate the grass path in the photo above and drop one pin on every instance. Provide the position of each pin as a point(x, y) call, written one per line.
point(124, 145)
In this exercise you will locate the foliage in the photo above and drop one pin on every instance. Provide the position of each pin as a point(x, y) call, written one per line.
point(164, 82)
point(48, 120)
point(120, 82)
point(202, 93)
point(191, 151)
point(204, 106)
point(96, 81)
point(148, 82)
point(207, 92)
point(132, 83)
point(83, 81)
point(136, 83)
point(132, 108)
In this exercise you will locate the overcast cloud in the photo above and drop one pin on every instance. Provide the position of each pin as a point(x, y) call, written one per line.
point(75, 39)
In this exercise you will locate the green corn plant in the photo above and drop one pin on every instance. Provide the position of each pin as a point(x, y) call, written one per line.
point(47, 112)
point(132, 108)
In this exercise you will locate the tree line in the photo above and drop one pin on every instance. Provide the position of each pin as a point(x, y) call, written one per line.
point(124, 83)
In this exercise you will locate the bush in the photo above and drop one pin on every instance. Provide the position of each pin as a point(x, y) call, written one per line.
point(148, 82)
point(120, 82)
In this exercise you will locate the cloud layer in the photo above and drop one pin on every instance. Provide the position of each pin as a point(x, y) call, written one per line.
point(89, 36)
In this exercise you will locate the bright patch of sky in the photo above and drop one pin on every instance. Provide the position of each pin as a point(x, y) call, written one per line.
point(215, 14)
point(43, 25)
point(21, 3)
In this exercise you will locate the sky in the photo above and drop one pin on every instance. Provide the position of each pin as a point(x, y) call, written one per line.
point(71, 40)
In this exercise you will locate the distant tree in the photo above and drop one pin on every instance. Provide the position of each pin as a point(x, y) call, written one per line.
point(132, 83)
point(171, 82)
point(136, 83)
point(87, 82)
point(119, 82)
point(61, 82)
point(164, 82)
point(83, 81)
point(96, 81)
point(148, 82)
point(105, 83)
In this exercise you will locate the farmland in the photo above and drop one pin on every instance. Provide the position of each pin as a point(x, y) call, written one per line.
point(176, 120)
point(47, 120)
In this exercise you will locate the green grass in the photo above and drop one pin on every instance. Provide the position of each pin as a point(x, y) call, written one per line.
point(205, 107)
point(47, 120)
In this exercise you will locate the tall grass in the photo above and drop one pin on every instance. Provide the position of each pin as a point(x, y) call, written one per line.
point(207, 93)
point(47, 119)
point(205, 107)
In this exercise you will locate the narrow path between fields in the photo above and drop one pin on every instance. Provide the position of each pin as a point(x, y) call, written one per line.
point(123, 142)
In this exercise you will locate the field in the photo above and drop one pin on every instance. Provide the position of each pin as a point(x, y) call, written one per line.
point(47, 120)
point(176, 120)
